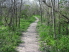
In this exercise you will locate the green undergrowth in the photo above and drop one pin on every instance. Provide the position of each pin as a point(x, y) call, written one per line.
point(48, 43)
point(10, 39)
point(37, 16)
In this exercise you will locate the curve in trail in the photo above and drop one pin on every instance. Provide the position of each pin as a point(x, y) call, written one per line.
point(30, 39)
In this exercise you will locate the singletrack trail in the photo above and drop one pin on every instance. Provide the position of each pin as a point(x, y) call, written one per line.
point(30, 39)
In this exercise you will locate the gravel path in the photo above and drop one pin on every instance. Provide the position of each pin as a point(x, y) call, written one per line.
point(30, 39)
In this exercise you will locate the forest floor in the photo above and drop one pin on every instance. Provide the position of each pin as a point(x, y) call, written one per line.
point(30, 39)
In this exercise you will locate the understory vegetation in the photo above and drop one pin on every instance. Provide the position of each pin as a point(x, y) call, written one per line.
point(53, 27)
point(15, 18)
point(48, 43)
point(9, 39)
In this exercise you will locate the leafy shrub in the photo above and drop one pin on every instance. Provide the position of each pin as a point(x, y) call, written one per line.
point(10, 39)
point(48, 43)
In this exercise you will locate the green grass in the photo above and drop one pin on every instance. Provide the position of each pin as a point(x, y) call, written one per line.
point(10, 39)
point(48, 43)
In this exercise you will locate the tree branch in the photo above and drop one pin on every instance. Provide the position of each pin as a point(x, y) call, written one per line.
point(57, 11)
